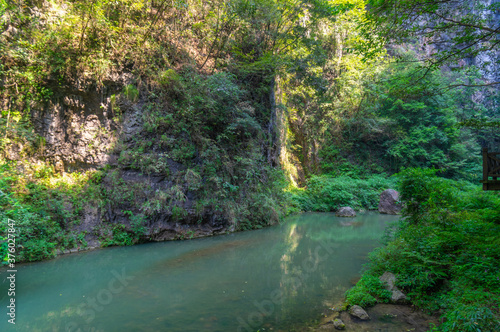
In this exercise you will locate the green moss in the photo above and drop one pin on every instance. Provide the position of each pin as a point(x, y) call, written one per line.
point(168, 77)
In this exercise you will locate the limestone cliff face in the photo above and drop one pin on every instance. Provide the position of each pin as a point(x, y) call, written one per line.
point(78, 129)
point(161, 163)
point(490, 60)
point(82, 130)
point(487, 60)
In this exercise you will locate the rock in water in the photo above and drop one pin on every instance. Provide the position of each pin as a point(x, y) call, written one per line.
point(389, 281)
point(358, 312)
point(338, 324)
point(389, 202)
point(346, 211)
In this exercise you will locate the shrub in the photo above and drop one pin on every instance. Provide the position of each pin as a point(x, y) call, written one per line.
point(43, 205)
point(131, 92)
point(168, 77)
point(368, 291)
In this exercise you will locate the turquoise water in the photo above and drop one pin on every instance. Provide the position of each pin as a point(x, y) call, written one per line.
point(275, 278)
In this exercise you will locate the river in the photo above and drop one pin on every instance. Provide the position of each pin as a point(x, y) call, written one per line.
point(278, 278)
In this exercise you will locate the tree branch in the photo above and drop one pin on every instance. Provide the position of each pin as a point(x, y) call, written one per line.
point(460, 23)
point(473, 85)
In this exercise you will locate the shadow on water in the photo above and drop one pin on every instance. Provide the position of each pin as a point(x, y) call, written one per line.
point(279, 277)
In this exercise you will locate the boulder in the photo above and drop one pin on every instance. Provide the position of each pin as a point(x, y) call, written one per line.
point(346, 211)
point(389, 202)
point(338, 324)
point(389, 281)
point(358, 312)
point(398, 296)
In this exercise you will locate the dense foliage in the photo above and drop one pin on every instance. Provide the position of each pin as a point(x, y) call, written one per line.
point(445, 252)
point(208, 128)
point(326, 193)
point(43, 207)
point(201, 75)
point(240, 112)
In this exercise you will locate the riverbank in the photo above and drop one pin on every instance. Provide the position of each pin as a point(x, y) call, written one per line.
point(383, 317)
point(67, 212)
point(111, 207)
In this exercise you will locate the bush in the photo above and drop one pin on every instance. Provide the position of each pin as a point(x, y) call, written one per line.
point(131, 92)
point(368, 291)
point(38, 249)
point(44, 206)
point(168, 77)
point(120, 237)
point(36, 237)
point(469, 309)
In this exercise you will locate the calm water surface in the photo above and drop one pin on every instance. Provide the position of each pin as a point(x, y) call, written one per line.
point(278, 277)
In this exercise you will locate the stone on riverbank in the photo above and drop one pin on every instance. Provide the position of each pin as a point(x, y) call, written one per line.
point(338, 324)
point(389, 281)
point(358, 312)
point(346, 211)
point(389, 202)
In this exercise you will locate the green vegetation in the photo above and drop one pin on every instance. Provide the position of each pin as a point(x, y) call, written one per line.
point(369, 290)
point(326, 193)
point(119, 116)
point(390, 124)
point(445, 252)
point(203, 102)
point(43, 207)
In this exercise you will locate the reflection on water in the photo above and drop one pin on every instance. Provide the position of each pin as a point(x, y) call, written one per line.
point(279, 277)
